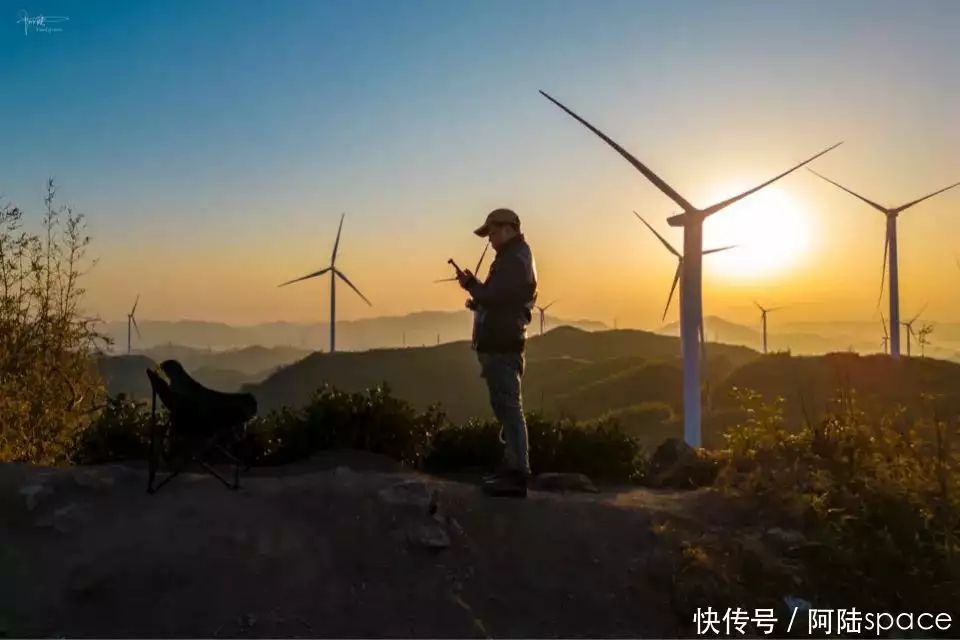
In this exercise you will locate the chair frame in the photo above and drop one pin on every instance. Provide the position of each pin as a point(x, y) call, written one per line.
point(195, 450)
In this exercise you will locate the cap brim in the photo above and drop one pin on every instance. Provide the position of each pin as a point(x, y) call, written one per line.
point(483, 231)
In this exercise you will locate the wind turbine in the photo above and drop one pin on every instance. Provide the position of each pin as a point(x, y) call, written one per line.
point(476, 271)
point(886, 335)
point(677, 276)
point(691, 305)
point(763, 321)
point(542, 311)
point(132, 323)
point(890, 249)
point(908, 325)
point(334, 274)
point(679, 272)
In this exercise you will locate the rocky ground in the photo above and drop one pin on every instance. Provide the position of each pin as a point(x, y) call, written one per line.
point(347, 546)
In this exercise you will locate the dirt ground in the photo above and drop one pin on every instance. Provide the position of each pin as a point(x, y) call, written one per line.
point(337, 548)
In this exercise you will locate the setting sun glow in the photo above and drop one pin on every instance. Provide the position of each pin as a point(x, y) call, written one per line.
point(771, 231)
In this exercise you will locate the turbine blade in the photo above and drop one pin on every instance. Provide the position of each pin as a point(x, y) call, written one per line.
point(549, 305)
point(718, 249)
point(729, 201)
point(135, 303)
point(639, 166)
point(919, 200)
point(919, 313)
point(306, 277)
point(480, 261)
point(673, 287)
point(336, 244)
point(883, 323)
point(759, 307)
point(347, 280)
point(659, 237)
point(135, 326)
point(883, 268)
point(856, 195)
point(445, 280)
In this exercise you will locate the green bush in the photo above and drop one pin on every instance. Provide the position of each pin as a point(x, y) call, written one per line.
point(371, 421)
point(882, 500)
point(471, 446)
point(121, 431)
point(599, 449)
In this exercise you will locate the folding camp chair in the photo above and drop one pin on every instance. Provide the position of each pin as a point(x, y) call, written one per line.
point(202, 424)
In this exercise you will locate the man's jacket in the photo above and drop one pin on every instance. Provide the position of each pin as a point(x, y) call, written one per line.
point(503, 304)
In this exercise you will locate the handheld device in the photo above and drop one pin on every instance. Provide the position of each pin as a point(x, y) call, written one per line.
point(456, 267)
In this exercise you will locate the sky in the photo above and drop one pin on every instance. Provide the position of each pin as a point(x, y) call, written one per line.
point(213, 146)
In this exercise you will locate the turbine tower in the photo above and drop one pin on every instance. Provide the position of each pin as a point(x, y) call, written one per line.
point(334, 274)
point(542, 311)
point(890, 249)
point(691, 304)
point(763, 321)
point(908, 325)
point(679, 272)
point(132, 324)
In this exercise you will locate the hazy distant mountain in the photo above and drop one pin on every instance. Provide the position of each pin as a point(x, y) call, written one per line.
point(816, 338)
point(221, 370)
point(249, 361)
point(126, 374)
point(415, 329)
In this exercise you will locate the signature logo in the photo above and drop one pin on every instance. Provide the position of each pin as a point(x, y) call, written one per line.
point(40, 24)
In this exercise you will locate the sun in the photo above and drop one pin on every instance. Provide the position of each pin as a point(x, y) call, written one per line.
point(771, 231)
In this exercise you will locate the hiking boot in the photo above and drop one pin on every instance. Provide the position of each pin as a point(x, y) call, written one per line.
point(512, 484)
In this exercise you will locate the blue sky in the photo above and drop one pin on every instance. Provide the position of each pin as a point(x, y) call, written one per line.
point(228, 136)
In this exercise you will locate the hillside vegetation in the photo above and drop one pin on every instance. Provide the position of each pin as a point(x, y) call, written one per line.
point(810, 386)
point(569, 371)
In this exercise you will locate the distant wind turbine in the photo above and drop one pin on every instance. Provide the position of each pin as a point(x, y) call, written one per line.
point(691, 305)
point(476, 271)
point(333, 286)
point(542, 311)
point(890, 249)
point(763, 321)
point(132, 323)
point(886, 335)
point(908, 325)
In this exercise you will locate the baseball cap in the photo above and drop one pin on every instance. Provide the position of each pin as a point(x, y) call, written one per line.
point(498, 216)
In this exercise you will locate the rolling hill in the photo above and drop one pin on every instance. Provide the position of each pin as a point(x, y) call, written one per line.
point(569, 371)
point(919, 387)
point(126, 374)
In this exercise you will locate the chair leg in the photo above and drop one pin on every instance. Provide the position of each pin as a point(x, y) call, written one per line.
point(236, 473)
point(198, 456)
point(152, 453)
point(216, 474)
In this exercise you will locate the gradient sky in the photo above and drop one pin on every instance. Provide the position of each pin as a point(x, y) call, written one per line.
point(213, 146)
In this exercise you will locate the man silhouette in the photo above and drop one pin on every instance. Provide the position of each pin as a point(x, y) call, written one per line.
point(503, 306)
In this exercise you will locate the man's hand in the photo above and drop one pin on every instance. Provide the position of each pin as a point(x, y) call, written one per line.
point(466, 278)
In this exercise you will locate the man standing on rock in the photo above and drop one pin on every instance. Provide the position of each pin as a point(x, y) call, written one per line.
point(503, 306)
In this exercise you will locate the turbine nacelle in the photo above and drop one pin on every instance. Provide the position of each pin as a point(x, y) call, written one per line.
point(688, 218)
